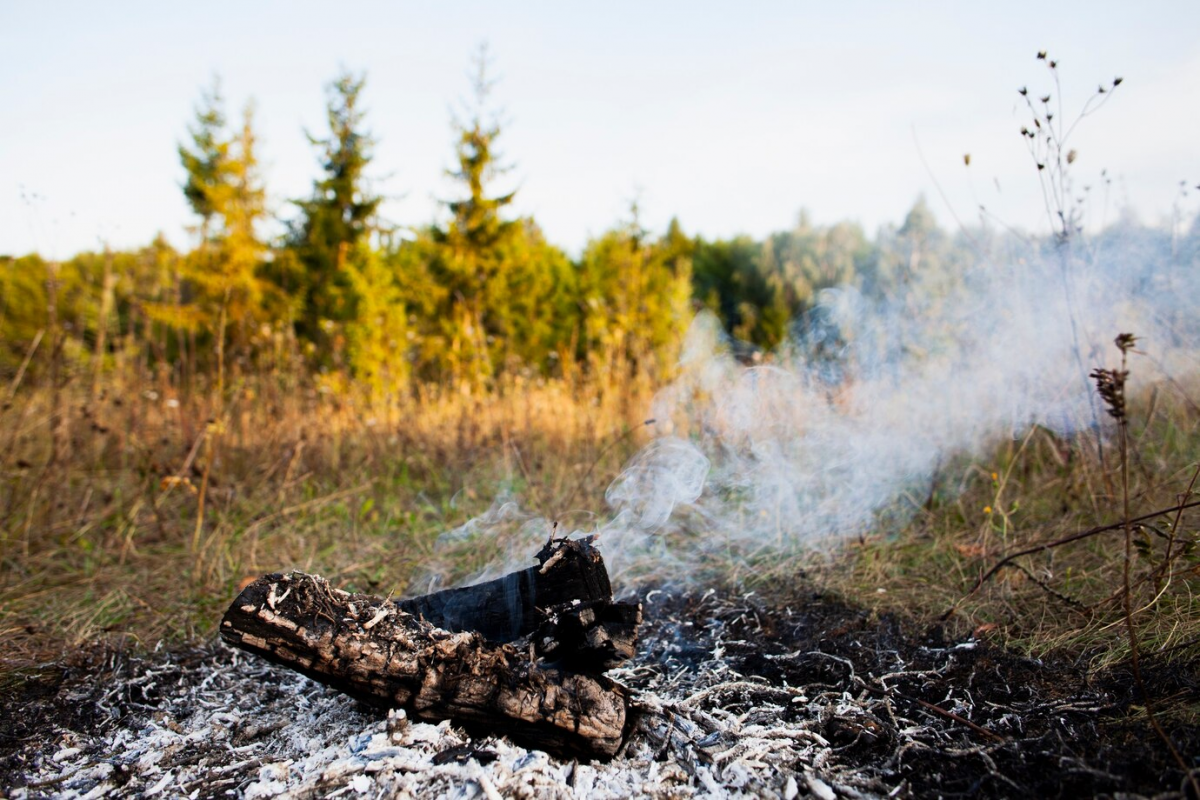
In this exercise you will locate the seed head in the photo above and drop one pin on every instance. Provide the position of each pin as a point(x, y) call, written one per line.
point(1110, 385)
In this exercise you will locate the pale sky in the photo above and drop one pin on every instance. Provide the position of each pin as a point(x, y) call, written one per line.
point(731, 116)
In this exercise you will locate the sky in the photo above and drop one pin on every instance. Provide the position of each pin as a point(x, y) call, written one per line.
point(732, 117)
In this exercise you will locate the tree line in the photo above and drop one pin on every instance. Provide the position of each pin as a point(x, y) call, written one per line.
point(461, 302)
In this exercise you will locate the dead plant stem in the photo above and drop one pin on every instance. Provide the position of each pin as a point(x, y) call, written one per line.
point(1075, 537)
point(1127, 598)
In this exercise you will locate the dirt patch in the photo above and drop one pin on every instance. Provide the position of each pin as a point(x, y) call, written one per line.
point(739, 697)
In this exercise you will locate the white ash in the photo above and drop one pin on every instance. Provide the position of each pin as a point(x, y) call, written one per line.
point(236, 726)
point(218, 722)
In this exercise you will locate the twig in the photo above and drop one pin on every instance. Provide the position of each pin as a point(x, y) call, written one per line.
point(961, 720)
point(999, 565)
point(16, 382)
point(1050, 590)
point(1110, 384)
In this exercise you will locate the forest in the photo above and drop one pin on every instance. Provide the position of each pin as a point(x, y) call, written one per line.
point(382, 308)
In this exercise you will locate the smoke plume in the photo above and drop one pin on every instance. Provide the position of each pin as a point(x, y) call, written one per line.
point(846, 427)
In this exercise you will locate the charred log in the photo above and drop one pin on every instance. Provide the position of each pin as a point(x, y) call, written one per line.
point(563, 605)
point(505, 609)
point(589, 637)
point(539, 689)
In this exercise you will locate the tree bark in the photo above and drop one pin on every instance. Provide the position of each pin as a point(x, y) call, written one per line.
point(379, 652)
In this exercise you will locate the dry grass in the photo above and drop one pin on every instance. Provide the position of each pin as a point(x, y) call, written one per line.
point(1066, 598)
point(138, 512)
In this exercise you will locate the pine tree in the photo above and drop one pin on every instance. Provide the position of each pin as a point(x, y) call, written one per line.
point(341, 213)
point(471, 262)
point(225, 190)
point(206, 161)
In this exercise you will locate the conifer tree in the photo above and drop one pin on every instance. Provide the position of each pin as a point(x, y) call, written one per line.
point(206, 160)
point(340, 214)
point(225, 190)
point(471, 248)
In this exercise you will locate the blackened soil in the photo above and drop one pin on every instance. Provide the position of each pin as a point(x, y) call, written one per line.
point(1042, 728)
point(903, 710)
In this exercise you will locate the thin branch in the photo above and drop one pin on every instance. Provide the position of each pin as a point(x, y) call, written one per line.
point(1075, 537)
point(961, 720)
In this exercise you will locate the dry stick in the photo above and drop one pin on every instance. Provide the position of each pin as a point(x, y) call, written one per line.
point(1050, 590)
point(106, 299)
point(1164, 570)
point(37, 339)
point(210, 454)
point(1127, 600)
point(999, 565)
point(886, 692)
point(959, 719)
point(1164, 651)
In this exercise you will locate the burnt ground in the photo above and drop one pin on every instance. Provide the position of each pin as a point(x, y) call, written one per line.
point(740, 697)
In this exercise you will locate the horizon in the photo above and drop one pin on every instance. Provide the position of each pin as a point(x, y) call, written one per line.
point(703, 116)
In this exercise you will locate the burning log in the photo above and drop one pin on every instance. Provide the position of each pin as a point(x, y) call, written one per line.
point(529, 670)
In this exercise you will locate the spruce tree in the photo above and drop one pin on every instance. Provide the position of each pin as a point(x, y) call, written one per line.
point(471, 248)
point(225, 190)
point(340, 214)
point(206, 160)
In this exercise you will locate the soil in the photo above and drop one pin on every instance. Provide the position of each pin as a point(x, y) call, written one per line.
point(739, 697)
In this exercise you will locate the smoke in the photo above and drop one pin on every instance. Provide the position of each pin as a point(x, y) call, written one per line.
point(846, 428)
point(851, 422)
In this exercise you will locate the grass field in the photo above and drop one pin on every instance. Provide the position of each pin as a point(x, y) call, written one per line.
point(131, 512)
point(136, 512)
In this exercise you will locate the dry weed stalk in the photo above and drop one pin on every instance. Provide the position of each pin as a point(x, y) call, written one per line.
point(1110, 385)
point(1048, 138)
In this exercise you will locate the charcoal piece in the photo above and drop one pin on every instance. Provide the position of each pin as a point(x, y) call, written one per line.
point(507, 608)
